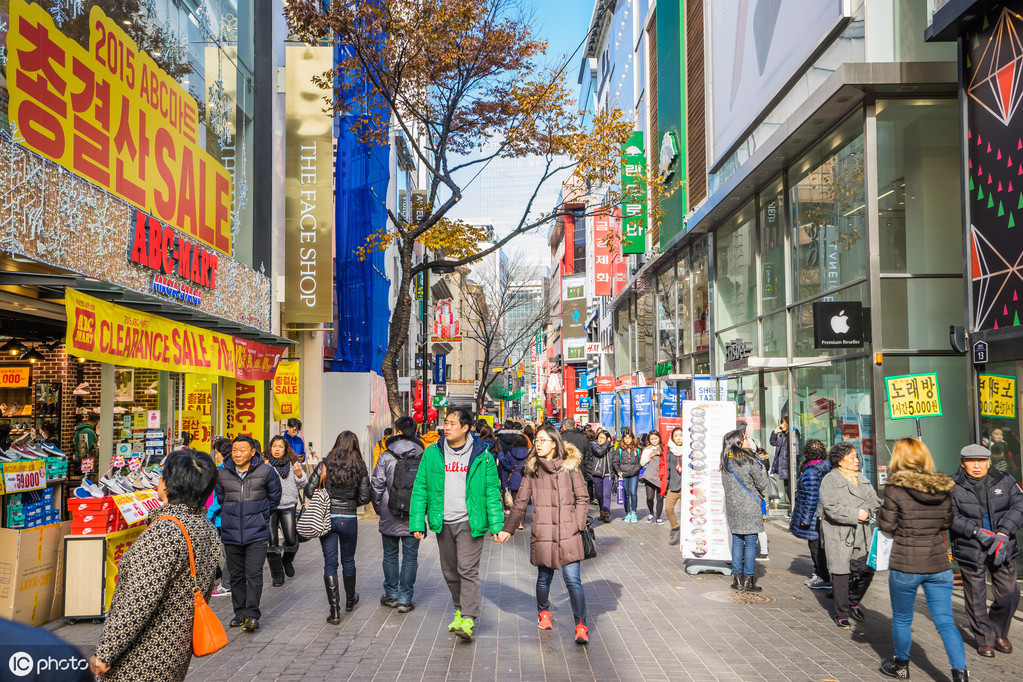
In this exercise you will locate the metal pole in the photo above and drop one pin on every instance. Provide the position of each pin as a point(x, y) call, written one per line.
point(425, 335)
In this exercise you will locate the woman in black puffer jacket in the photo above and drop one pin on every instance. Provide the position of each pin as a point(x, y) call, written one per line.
point(599, 468)
point(917, 507)
point(343, 473)
point(625, 463)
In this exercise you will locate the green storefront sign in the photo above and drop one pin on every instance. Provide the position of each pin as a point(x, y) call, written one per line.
point(634, 195)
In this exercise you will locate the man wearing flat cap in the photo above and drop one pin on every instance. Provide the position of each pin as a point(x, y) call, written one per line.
point(987, 508)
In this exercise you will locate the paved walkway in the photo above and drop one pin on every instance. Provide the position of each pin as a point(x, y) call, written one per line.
point(649, 620)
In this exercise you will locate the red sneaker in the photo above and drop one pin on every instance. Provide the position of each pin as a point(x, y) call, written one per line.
point(582, 634)
point(544, 620)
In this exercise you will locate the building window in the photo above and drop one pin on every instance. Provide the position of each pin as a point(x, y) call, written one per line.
point(735, 283)
point(579, 245)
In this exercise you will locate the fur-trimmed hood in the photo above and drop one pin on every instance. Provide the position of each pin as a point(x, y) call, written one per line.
point(925, 488)
point(573, 460)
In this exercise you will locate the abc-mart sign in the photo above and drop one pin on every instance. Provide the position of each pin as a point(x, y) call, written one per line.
point(167, 252)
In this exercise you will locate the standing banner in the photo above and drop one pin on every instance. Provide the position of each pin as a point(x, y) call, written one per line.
point(286, 383)
point(643, 408)
point(244, 409)
point(197, 415)
point(308, 188)
point(705, 533)
point(624, 411)
point(607, 411)
point(669, 401)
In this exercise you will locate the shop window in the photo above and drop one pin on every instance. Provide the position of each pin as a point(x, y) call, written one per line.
point(623, 330)
point(667, 334)
point(683, 292)
point(802, 324)
point(579, 245)
point(701, 297)
point(774, 336)
point(644, 336)
point(916, 313)
point(735, 283)
point(918, 171)
point(772, 262)
point(828, 209)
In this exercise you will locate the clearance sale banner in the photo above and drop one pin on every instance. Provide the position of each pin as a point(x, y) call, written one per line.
point(105, 332)
point(286, 390)
point(244, 409)
point(111, 115)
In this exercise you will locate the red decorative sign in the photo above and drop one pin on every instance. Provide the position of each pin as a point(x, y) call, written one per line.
point(602, 268)
point(446, 327)
point(162, 248)
point(605, 384)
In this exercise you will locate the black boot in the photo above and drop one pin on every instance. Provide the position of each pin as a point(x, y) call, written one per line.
point(333, 599)
point(289, 568)
point(751, 584)
point(674, 536)
point(276, 569)
point(742, 583)
point(351, 596)
point(736, 584)
point(960, 676)
point(899, 669)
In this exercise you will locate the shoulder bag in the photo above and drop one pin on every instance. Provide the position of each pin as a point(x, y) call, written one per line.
point(315, 519)
point(208, 635)
point(763, 503)
point(589, 542)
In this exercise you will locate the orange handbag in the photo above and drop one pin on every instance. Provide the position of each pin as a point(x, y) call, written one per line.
point(208, 634)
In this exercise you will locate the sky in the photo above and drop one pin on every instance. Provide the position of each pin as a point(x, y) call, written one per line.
point(497, 195)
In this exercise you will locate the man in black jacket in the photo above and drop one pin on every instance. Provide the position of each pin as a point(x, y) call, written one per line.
point(248, 490)
point(987, 507)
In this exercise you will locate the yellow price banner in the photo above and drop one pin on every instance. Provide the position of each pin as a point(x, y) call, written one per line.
point(912, 396)
point(997, 394)
point(21, 477)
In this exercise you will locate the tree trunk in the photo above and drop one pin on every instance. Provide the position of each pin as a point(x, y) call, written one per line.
point(397, 334)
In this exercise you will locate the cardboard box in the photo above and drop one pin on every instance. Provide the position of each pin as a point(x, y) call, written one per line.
point(29, 561)
point(90, 504)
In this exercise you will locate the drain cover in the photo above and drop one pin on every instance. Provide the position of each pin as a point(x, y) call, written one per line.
point(735, 597)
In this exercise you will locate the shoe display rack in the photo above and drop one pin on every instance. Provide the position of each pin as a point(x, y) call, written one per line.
point(48, 402)
point(16, 410)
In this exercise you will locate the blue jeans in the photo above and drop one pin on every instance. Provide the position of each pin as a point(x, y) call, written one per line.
point(398, 584)
point(744, 553)
point(938, 591)
point(570, 574)
point(343, 533)
point(631, 493)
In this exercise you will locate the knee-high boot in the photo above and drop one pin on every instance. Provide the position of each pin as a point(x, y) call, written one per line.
point(351, 596)
point(333, 598)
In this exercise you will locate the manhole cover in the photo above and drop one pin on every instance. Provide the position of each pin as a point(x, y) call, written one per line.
point(735, 597)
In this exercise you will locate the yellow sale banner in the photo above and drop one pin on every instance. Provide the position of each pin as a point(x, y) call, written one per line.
point(113, 116)
point(20, 477)
point(117, 544)
point(196, 417)
point(286, 381)
point(244, 409)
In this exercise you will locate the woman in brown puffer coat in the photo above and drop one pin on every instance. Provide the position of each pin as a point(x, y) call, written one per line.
point(552, 476)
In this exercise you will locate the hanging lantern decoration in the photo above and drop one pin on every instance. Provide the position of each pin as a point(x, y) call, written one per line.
point(431, 415)
point(417, 404)
point(418, 416)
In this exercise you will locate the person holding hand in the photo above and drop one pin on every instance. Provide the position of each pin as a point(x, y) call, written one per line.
point(458, 492)
point(552, 476)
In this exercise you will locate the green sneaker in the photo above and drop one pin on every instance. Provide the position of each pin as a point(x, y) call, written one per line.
point(456, 622)
point(464, 629)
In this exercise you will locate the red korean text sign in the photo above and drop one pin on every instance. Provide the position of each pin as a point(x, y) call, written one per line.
point(113, 116)
point(602, 268)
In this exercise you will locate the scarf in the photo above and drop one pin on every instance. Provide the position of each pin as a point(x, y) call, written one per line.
point(851, 476)
point(282, 465)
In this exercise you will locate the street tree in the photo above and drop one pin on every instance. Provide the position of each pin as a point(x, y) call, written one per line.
point(451, 76)
point(504, 320)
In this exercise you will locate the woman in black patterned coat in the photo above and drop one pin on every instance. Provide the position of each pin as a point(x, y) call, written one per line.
point(148, 631)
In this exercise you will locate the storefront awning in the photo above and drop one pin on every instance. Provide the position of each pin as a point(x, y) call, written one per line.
point(106, 332)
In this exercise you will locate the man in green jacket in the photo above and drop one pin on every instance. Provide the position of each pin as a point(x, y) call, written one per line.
point(458, 493)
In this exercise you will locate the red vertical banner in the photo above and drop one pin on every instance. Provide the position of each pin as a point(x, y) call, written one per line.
point(568, 260)
point(601, 255)
point(568, 394)
point(619, 268)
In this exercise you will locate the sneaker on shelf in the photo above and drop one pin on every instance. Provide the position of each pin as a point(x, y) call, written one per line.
point(544, 620)
point(819, 583)
point(52, 450)
point(112, 485)
point(582, 634)
point(221, 591)
point(81, 389)
point(152, 388)
point(120, 410)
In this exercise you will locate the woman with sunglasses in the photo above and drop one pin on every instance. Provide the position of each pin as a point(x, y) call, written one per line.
point(553, 477)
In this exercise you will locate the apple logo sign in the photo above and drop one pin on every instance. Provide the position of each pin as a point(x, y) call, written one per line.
point(840, 323)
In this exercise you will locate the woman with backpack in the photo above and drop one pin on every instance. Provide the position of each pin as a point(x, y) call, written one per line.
point(512, 460)
point(553, 478)
point(654, 476)
point(288, 465)
point(625, 464)
point(744, 480)
point(344, 476)
point(601, 470)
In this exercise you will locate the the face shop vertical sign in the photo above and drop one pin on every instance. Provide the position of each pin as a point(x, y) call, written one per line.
point(309, 208)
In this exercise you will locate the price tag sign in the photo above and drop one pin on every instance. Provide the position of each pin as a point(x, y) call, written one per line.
point(997, 395)
point(149, 500)
point(130, 507)
point(118, 460)
point(88, 465)
point(912, 396)
point(134, 463)
point(20, 477)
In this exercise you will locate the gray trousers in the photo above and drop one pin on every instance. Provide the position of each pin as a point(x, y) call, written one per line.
point(460, 555)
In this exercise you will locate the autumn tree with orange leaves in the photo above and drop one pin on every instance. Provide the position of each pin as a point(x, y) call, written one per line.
point(455, 75)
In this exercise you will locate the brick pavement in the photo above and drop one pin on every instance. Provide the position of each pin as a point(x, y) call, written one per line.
point(649, 620)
